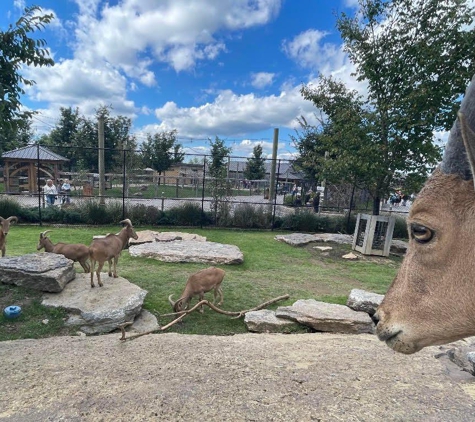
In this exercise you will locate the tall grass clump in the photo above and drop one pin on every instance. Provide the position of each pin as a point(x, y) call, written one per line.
point(248, 216)
point(188, 214)
point(9, 207)
point(95, 213)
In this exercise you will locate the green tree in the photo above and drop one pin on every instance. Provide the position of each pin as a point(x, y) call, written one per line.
point(255, 166)
point(17, 48)
point(416, 60)
point(220, 187)
point(16, 136)
point(161, 150)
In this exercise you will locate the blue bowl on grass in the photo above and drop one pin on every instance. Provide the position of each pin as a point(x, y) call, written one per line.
point(12, 312)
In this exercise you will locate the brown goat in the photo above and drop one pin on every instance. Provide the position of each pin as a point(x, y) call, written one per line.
point(108, 249)
point(4, 228)
point(74, 251)
point(197, 285)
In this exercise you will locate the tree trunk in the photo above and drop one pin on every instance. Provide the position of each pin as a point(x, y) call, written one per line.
point(376, 205)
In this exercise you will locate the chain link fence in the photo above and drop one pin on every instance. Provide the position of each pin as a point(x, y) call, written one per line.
point(128, 185)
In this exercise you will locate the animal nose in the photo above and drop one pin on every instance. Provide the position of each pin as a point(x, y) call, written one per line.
point(375, 318)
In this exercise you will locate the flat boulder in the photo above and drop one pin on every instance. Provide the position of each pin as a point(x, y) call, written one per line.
point(100, 309)
point(265, 321)
point(47, 272)
point(189, 251)
point(148, 236)
point(301, 239)
point(363, 301)
point(327, 317)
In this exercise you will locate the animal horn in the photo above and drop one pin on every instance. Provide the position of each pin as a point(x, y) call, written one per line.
point(171, 301)
point(12, 218)
point(126, 221)
point(2, 219)
point(43, 234)
point(457, 158)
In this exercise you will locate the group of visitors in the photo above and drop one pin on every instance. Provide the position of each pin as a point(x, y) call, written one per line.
point(51, 192)
point(399, 198)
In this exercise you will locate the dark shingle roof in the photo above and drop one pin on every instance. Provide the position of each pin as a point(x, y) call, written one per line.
point(30, 152)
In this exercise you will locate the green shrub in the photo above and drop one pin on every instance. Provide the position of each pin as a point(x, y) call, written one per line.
point(9, 207)
point(249, 216)
point(400, 228)
point(188, 214)
point(96, 214)
point(306, 220)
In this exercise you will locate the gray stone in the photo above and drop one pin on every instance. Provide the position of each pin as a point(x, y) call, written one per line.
point(100, 309)
point(145, 321)
point(47, 272)
point(461, 353)
point(147, 236)
point(189, 251)
point(398, 247)
point(265, 321)
point(363, 301)
point(327, 317)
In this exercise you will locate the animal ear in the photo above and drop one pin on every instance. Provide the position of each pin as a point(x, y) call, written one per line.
point(468, 137)
point(459, 153)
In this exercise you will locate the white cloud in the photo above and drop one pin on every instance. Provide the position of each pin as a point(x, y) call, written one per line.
point(308, 50)
point(262, 79)
point(177, 32)
point(74, 83)
point(233, 115)
point(19, 4)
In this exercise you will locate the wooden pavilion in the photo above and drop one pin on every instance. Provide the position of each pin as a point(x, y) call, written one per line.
point(20, 168)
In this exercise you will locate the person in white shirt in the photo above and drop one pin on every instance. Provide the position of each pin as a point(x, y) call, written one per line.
point(50, 193)
point(66, 191)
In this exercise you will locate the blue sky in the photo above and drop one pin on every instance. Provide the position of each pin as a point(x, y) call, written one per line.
point(227, 68)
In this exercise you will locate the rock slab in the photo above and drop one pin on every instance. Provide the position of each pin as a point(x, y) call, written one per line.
point(147, 236)
point(189, 251)
point(47, 272)
point(100, 309)
point(265, 321)
point(363, 301)
point(327, 317)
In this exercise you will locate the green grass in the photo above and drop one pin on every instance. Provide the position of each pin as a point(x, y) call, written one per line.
point(270, 269)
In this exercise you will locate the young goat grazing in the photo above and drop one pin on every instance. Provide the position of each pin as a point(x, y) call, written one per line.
point(432, 299)
point(197, 285)
point(74, 251)
point(108, 249)
point(4, 228)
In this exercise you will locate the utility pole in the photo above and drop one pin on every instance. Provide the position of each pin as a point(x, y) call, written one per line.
point(101, 164)
point(273, 165)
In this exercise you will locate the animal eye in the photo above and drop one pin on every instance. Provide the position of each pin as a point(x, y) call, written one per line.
point(421, 234)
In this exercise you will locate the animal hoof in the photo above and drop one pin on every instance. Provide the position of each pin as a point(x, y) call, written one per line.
point(116, 276)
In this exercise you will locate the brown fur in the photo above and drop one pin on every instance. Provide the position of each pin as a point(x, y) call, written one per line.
point(108, 249)
point(4, 229)
point(77, 252)
point(432, 299)
point(198, 284)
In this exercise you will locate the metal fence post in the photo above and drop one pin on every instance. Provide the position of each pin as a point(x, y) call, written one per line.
point(203, 192)
point(124, 181)
point(39, 181)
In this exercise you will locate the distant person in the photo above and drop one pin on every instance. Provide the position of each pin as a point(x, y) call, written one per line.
point(66, 192)
point(50, 192)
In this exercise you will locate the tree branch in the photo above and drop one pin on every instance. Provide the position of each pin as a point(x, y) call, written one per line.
point(183, 314)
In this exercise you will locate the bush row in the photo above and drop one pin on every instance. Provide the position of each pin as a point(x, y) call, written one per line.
point(190, 214)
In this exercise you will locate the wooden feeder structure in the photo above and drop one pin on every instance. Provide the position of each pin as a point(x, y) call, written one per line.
point(373, 234)
point(21, 168)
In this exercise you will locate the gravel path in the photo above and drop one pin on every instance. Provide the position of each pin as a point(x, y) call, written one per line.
point(246, 377)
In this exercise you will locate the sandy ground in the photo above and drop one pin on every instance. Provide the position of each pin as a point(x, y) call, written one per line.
point(246, 377)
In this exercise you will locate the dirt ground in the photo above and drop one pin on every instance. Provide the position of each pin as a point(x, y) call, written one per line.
point(246, 377)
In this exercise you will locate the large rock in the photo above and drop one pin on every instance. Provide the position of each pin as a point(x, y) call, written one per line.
point(398, 247)
point(147, 236)
point(363, 301)
point(98, 310)
point(327, 317)
point(189, 251)
point(265, 321)
point(47, 272)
